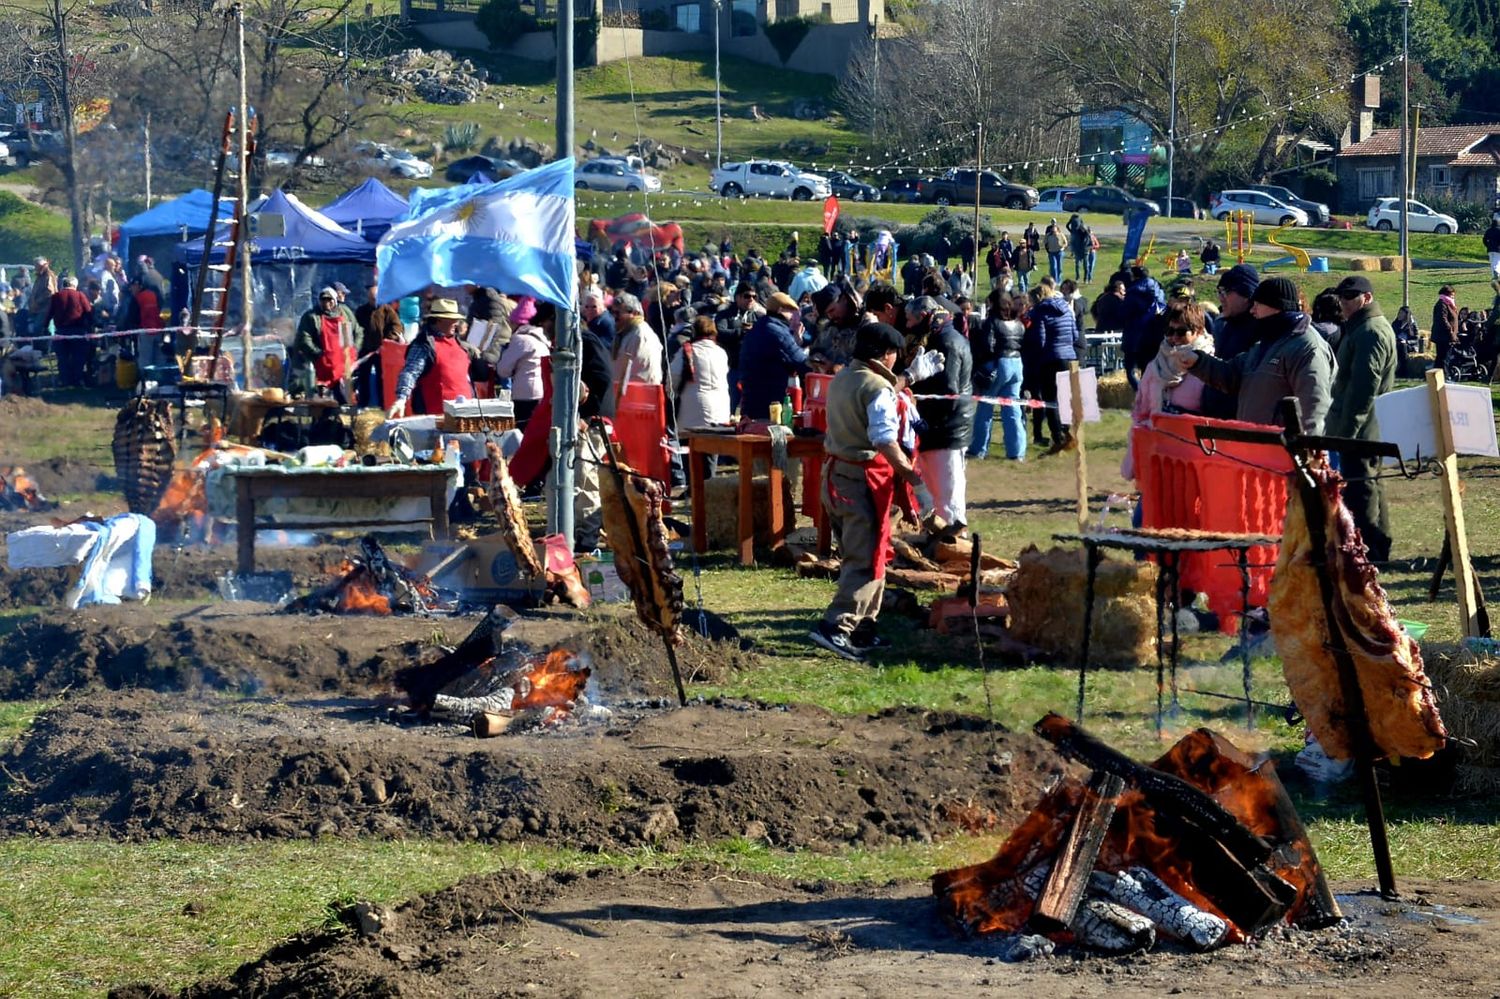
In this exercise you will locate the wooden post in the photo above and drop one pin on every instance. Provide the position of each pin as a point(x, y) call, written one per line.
point(1080, 459)
point(1453, 509)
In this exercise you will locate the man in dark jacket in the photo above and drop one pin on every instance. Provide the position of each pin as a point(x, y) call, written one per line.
point(911, 274)
point(1492, 246)
point(1046, 350)
point(1233, 332)
point(1144, 301)
point(769, 355)
point(1289, 358)
point(948, 423)
point(594, 372)
point(1366, 369)
point(1444, 323)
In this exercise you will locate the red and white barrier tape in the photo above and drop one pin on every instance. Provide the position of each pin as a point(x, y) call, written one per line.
point(103, 335)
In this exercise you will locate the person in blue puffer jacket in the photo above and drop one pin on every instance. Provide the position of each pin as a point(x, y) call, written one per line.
point(1139, 340)
point(1049, 346)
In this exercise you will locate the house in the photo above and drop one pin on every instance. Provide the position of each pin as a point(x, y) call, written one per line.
point(1452, 161)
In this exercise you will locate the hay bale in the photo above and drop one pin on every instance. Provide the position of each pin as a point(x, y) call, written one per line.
point(1115, 391)
point(722, 510)
point(1392, 264)
point(1468, 696)
point(1364, 264)
point(366, 422)
point(1046, 607)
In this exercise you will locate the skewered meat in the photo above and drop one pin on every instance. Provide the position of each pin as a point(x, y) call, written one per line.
point(638, 536)
point(1399, 705)
point(144, 448)
point(512, 516)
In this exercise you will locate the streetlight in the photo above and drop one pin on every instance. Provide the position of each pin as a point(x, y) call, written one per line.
point(718, 92)
point(1176, 7)
point(1406, 193)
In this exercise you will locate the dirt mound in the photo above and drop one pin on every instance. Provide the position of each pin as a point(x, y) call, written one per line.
point(177, 574)
point(142, 765)
point(696, 930)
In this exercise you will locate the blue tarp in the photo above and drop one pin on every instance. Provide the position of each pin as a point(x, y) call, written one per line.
point(181, 217)
point(309, 236)
point(368, 209)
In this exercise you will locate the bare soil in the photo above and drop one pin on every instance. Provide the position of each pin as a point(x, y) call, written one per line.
point(700, 932)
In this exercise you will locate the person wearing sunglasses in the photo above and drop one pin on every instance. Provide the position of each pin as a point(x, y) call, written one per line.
point(1164, 385)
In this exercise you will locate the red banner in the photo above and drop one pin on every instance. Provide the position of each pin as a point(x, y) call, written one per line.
point(830, 214)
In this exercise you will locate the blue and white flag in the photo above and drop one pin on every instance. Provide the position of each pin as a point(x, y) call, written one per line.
point(515, 235)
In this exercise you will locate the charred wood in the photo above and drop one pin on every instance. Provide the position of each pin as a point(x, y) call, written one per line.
point(1060, 898)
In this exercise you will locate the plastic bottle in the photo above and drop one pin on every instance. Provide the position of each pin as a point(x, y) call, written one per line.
point(787, 412)
point(794, 393)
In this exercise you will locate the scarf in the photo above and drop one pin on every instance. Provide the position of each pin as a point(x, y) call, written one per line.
point(1170, 370)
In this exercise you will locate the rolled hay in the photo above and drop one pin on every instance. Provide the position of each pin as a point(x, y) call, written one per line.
point(1468, 696)
point(1364, 264)
point(1392, 264)
point(366, 421)
point(1115, 391)
point(722, 510)
point(1046, 607)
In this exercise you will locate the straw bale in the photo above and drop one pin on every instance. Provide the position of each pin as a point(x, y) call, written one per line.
point(1046, 607)
point(366, 421)
point(1468, 696)
point(1392, 264)
point(722, 510)
point(1115, 391)
point(1364, 264)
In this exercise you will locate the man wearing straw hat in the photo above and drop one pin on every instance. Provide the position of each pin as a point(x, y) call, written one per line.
point(437, 363)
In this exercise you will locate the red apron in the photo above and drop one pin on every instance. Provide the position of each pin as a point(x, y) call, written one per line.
point(880, 479)
point(329, 366)
point(446, 378)
point(150, 309)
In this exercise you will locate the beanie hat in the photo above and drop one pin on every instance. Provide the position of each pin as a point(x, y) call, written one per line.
point(1280, 293)
point(524, 312)
point(1240, 278)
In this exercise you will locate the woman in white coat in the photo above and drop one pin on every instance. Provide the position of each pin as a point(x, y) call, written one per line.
point(521, 361)
point(700, 381)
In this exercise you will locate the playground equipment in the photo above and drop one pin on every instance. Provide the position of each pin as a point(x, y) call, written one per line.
point(1239, 232)
point(1294, 255)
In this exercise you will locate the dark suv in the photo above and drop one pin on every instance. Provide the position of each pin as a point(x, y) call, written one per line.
point(1107, 199)
point(904, 189)
point(1317, 212)
point(957, 187)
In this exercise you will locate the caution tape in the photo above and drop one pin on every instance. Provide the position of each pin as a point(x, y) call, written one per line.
point(101, 335)
point(993, 400)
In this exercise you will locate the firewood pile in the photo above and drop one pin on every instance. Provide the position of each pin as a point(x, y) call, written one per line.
point(923, 562)
point(371, 583)
point(1202, 847)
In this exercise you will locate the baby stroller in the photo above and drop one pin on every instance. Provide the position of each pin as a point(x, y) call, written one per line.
point(1464, 362)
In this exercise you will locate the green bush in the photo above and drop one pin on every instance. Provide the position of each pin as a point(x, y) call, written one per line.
point(502, 20)
point(28, 231)
point(1472, 216)
point(460, 137)
point(926, 235)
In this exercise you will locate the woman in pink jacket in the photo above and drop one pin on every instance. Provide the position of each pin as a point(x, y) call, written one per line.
point(1164, 386)
point(521, 361)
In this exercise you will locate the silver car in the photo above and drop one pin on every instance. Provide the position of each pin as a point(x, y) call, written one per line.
point(608, 174)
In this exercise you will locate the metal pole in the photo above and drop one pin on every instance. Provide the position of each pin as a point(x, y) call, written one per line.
point(242, 229)
point(1176, 8)
point(718, 91)
point(565, 361)
point(875, 100)
point(1405, 152)
point(978, 188)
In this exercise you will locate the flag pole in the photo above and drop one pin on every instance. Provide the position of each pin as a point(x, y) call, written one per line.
point(563, 439)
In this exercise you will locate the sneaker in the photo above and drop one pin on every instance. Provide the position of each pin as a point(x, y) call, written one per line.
point(835, 642)
point(869, 642)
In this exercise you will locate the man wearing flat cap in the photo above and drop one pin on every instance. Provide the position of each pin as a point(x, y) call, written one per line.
point(865, 467)
point(1288, 358)
point(1366, 369)
point(770, 354)
point(321, 346)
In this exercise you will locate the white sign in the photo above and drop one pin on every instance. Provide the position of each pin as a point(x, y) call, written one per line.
point(1406, 420)
point(1088, 382)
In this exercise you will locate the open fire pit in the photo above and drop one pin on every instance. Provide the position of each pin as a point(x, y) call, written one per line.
point(1203, 847)
point(371, 583)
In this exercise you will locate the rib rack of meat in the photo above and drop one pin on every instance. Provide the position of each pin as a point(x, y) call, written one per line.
point(512, 516)
point(1399, 706)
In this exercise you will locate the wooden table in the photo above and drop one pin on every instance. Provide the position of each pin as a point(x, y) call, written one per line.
point(746, 448)
point(254, 484)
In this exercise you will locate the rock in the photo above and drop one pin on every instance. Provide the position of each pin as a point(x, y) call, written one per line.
point(806, 110)
point(372, 920)
point(373, 790)
point(653, 825)
point(194, 908)
point(755, 830)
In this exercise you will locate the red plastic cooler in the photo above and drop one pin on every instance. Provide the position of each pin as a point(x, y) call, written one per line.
point(1241, 488)
point(640, 425)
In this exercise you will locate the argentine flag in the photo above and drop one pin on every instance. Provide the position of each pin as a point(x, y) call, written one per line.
point(515, 235)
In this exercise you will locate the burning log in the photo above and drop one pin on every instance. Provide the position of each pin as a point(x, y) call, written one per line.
point(542, 690)
point(422, 683)
point(1112, 928)
point(18, 491)
point(144, 447)
point(1140, 890)
point(370, 583)
point(1058, 902)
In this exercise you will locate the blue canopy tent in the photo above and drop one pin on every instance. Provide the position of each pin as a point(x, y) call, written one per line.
point(156, 230)
point(367, 210)
point(295, 250)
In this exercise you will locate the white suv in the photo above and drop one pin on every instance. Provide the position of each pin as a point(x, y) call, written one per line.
point(1385, 215)
point(1267, 209)
point(768, 179)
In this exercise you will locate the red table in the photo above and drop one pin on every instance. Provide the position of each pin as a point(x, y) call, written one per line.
point(746, 448)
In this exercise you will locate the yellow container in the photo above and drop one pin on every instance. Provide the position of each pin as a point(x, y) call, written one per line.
point(127, 373)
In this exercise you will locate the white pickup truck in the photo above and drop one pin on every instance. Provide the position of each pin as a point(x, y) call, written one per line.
point(767, 179)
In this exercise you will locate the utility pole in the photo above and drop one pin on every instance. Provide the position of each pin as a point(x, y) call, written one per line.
point(875, 101)
point(978, 187)
point(1176, 7)
point(146, 153)
point(1405, 152)
point(563, 438)
point(242, 228)
point(718, 91)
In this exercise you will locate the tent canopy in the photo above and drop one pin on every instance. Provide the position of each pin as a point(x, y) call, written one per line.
point(369, 209)
point(184, 216)
point(307, 235)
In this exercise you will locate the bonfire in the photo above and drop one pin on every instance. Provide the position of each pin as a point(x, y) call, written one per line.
point(370, 583)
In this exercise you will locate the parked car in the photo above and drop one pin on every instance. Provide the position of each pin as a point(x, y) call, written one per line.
point(846, 186)
point(462, 171)
point(904, 190)
point(957, 187)
point(1317, 212)
point(1051, 199)
point(1264, 208)
point(1385, 215)
point(768, 179)
point(1183, 208)
point(287, 158)
point(397, 162)
point(611, 174)
point(1109, 199)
